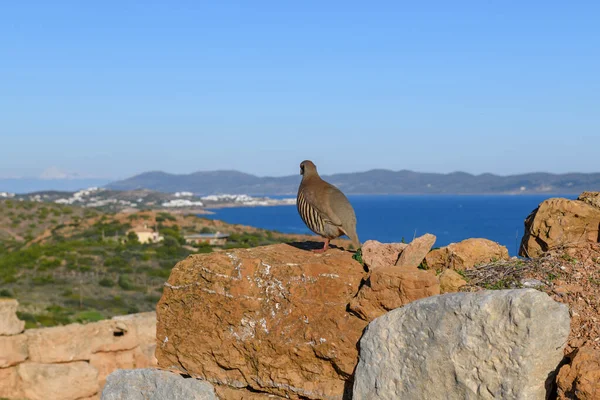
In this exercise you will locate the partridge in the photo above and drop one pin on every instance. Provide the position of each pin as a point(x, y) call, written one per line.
point(324, 208)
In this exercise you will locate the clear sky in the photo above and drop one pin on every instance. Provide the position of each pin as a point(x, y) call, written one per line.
point(114, 88)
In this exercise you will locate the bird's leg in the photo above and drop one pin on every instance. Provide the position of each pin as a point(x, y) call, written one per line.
point(325, 247)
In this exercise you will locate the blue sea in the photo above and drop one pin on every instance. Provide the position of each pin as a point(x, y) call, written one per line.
point(389, 218)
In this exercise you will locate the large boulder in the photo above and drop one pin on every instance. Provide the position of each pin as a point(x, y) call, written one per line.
point(466, 254)
point(560, 222)
point(376, 254)
point(391, 287)
point(272, 319)
point(9, 323)
point(580, 379)
point(153, 384)
point(484, 345)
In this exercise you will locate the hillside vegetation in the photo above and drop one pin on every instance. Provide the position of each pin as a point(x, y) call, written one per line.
point(67, 264)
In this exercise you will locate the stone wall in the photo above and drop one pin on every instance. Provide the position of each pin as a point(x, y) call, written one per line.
point(70, 362)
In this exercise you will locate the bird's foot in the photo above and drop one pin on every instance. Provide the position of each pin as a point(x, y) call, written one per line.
point(325, 247)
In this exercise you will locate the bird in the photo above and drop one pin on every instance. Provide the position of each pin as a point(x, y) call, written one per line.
point(324, 208)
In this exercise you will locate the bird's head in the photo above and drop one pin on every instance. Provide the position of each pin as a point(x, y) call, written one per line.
point(307, 168)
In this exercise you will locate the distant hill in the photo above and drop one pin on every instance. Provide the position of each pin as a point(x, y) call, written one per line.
point(377, 181)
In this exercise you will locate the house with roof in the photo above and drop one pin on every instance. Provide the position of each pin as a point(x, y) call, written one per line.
point(146, 235)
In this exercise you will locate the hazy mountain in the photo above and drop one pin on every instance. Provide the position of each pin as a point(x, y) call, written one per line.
point(377, 181)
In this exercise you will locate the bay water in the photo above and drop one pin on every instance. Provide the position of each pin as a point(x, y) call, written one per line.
point(391, 218)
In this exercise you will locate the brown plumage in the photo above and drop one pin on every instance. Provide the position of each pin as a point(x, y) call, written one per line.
point(324, 208)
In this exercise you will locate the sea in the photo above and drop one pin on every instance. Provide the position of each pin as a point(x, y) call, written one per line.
point(392, 218)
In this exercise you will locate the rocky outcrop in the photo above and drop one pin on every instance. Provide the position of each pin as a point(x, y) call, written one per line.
point(466, 254)
point(72, 361)
point(591, 198)
point(376, 254)
point(412, 256)
point(559, 222)
point(154, 384)
point(392, 287)
point(9, 323)
point(493, 344)
point(580, 379)
point(271, 319)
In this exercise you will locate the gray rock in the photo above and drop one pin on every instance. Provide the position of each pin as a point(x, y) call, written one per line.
point(154, 384)
point(488, 345)
point(532, 283)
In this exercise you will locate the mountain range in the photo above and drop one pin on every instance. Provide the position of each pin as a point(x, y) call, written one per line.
point(378, 181)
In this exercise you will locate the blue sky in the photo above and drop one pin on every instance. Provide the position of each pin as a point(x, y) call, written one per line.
point(115, 88)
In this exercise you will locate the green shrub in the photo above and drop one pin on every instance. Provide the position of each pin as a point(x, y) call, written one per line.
point(106, 282)
point(125, 283)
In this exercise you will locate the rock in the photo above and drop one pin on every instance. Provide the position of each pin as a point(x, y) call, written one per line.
point(376, 254)
point(437, 259)
point(107, 362)
point(145, 326)
point(392, 287)
point(451, 281)
point(580, 379)
point(532, 283)
point(9, 323)
point(414, 254)
point(559, 222)
point(154, 384)
point(13, 350)
point(78, 342)
point(591, 198)
point(486, 345)
point(466, 254)
point(9, 384)
point(68, 381)
point(272, 319)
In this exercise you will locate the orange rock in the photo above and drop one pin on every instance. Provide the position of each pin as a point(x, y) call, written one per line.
point(78, 342)
point(66, 381)
point(414, 254)
point(466, 254)
point(269, 318)
point(451, 281)
point(376, 254)
point(10, 385)
point(580, 379)
point(13, 350)
point(437, 259)
point(9, 323)
point(559, 222)
point(390, 288)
